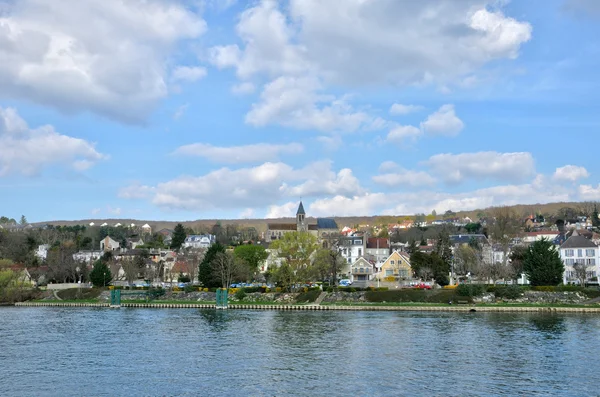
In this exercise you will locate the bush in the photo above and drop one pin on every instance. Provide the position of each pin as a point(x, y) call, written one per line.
point(250, 290)
point(508, 292)
point(240, 294)
point(329, 289)
point(183, 278)
point(308, 296)
point(411, 295)
point(190, 288)
point(470, 290)
point(155, 293)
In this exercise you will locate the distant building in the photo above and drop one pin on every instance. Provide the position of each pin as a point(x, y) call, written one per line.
point(199, 241)
point(578, 249)
point(108, 244)
point(323, 229)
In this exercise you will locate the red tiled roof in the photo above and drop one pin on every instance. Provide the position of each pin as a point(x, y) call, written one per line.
point(372, 242)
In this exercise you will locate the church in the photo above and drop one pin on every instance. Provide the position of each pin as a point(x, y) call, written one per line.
point(323, 228)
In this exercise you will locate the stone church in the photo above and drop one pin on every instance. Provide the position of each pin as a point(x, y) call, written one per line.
point(321, 229)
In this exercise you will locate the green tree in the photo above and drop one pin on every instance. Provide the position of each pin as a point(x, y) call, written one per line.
point(206, 274)
point(296, 248)
point(542, 264)
point(253, 255)
point(179, 236)
point(517, 257)
point(23, 221)
point(100, 275)
point(595, 218)
point(440, 269)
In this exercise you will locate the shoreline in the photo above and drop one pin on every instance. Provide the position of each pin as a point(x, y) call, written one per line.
point(432, 308)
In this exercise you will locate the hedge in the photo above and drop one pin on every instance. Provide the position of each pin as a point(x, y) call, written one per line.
point(413, 295)
point(308, 296)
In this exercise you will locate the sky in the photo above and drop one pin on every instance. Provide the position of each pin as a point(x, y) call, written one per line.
point(185, 110)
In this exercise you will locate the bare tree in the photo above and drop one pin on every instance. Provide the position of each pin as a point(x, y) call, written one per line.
point(581, 269)
point(504, 228)
point(191, 259)
point(226, 268)
point(61, 264)
point(131, 269)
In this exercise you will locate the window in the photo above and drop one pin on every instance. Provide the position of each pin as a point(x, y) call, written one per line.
point(569, 262)
point(392, 262)
point(389, 272)
point(360, 252)
point(591, 262)
point(579, 253)
point(569, 252)
point(590, 253)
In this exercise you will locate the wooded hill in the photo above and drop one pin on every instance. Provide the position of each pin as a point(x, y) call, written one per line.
point(549, 210)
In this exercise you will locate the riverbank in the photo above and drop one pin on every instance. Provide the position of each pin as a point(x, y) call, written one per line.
point(349, 307)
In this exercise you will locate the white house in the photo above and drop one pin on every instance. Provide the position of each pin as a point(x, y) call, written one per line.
point(87, 256)
point(199, 241)
point(146, 229)
point(378, 249)
point(42, 251)
point(108, 244)
point(578, 249)
point(362, 270)
point(531, 237)
point(352, 247)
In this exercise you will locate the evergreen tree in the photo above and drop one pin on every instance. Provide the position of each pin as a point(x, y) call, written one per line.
point(542, 264)
point(206, 274)
point(595, 218)
point(100, 275)
point(179, 236)
point(412, 247)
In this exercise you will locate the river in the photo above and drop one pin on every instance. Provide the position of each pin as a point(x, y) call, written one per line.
point(186, 352)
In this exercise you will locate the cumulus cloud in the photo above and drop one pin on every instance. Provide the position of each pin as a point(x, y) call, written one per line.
point(403, 133)
point(243, 88)
point(304, 48)
point(589, 192)
point(247, 213)
point(443, 122)
point(259, 152)
point(104, 56)
point(399, 109)
point(136, 191)
point(482, 165)
point(188, 73)
point(405, 178)
point(570, 173)
point(248, 187)
point(286, 210)
point(28, 151)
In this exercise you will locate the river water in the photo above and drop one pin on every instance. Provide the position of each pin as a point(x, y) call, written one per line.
point(187, 352)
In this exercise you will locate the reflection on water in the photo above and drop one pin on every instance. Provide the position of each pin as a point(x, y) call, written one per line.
point(150, 352)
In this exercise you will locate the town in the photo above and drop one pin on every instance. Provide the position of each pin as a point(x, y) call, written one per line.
point(421, 251)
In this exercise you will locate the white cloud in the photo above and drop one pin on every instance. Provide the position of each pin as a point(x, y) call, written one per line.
point(333, 142)
point(105, 56)
point(405, 178)
point(243, 88)
point(287, 210)
point(389, 166)
point(136, 191)
point(570, 173)
point(188, 73)
point(247, 187)
point(240, 154)
point(482, 165)
point(28, 151)
point(443, 122)
point(247, 213)
point(113, 211)
point(589, 192)
point(400, 109)
point(180, 111)
point(403, 133)
point(294, 102)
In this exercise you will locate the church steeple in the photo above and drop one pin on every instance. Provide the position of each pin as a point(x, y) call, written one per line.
point(300, 221)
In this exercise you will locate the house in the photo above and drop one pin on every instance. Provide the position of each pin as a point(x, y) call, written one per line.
point(146, 229)
point(322, 229)
point(578, 249)
point(530, 237)
point(352, 247)
point(42, 251)
point(87, 256)
point(132, 243)
point(361, 270)
point(397, 265)
point(199, 241)
point(118, 224)
point(378, 248)
point(108, 244)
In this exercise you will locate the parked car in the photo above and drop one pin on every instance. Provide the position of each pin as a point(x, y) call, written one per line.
point(422, 286)
point(345, 283)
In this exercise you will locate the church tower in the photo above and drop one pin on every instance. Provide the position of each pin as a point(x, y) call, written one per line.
point(300, 219)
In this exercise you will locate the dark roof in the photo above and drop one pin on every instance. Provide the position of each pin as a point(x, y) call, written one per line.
point(313, 227)
point(466, 238)
point(326, 223)
point(577, 241)
point(300, 209)
point(372, 242)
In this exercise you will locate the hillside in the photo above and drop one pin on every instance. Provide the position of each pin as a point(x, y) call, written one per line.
point(261, 224)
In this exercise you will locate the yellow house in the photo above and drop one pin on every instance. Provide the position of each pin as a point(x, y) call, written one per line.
point(397, 265)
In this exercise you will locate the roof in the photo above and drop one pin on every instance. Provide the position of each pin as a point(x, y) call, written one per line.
point(577, 241)
point(326, 223)
point(377, 242)
point(300, 209)
point(466, 238)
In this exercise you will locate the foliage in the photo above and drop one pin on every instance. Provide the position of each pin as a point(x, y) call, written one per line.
point(252, 255)
point(308, 296)
point(13, 288)
point(240, 294)
point(179, 236)
point(470, 289)
point(473, 228)
point(100, 275)
point(183, 278)
point(205, 271)
point(508, 292)
point(296, 248)
point(542, 264)
point(517, 256)
point(155, 293)
point(411, 295)
point(227, 269)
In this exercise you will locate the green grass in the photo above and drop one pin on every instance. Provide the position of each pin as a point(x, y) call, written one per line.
point(66, 301)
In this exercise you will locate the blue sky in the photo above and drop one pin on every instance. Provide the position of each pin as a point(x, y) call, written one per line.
point(173, 110)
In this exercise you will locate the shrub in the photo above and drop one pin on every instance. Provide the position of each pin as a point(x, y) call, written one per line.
point(240, 294)
point(508, 292)
point(411, 295)
point(190, 288)
point(308, 296)
point(155, 293)
point(329, 289)
point(470, 290)
point(544, 288)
